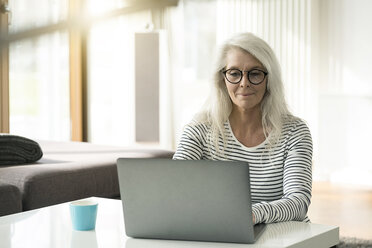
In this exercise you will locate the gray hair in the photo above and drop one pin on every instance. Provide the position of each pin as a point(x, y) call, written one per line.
point(218, 106)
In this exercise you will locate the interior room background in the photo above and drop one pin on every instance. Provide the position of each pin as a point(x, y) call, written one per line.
point(323, 47)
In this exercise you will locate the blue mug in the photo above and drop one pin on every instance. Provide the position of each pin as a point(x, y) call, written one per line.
point(83, 214)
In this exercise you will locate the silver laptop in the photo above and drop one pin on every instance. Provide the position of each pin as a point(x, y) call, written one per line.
point(197, 200)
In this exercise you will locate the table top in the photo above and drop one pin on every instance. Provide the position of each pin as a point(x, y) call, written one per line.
point(51, 227)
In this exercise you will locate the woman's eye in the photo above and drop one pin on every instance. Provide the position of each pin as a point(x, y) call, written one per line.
point(234, 73)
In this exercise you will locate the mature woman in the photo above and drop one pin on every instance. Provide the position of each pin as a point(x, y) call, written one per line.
point(246, 118)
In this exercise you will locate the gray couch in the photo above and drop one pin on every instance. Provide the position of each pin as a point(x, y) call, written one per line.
point(66, 172)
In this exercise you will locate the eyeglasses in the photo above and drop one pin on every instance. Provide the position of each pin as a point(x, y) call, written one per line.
point(255, 76)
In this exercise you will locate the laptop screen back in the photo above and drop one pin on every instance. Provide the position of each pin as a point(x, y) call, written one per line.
point(186, 199)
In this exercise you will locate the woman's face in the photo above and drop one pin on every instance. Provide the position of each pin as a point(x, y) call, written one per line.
point(244, 94)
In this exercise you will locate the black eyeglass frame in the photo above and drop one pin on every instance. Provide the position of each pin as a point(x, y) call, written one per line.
point(242, 74)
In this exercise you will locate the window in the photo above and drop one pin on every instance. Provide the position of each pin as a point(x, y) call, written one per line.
point(39, 71)
point(111, 78)
point(39, 87)
point(44, 88)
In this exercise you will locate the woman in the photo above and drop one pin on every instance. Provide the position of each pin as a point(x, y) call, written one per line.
point(246, 118)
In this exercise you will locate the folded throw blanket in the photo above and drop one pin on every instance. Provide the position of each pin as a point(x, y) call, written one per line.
point(18, 150)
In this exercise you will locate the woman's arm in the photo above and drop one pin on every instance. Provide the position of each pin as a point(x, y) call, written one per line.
point(190, 146)
point(297, 182)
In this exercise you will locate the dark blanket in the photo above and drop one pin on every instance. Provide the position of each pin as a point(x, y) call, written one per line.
point(18, 150)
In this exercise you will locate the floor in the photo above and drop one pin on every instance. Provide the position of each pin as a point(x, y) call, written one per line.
point(348, 207)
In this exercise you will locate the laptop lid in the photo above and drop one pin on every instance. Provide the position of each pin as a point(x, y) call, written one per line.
point(198, 200)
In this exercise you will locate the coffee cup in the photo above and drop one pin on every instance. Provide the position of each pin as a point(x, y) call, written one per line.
point(84, 214)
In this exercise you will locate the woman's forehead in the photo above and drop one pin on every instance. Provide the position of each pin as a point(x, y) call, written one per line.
point(237, 57)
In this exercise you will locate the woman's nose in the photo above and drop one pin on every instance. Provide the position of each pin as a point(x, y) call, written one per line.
point(244, 82)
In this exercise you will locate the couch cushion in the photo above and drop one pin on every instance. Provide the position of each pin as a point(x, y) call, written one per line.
point(70, 171)
point(10, 199)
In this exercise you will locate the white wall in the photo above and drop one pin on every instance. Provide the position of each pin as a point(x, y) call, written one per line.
point(345, 92)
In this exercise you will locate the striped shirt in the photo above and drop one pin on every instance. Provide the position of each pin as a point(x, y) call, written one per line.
point(281, 174)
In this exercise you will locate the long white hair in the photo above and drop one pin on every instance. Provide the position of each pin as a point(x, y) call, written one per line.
point(218, 106)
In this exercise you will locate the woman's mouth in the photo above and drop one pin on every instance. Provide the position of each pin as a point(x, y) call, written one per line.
point(245, 94)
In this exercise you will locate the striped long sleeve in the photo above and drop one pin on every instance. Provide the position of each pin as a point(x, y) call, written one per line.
point(281, 175)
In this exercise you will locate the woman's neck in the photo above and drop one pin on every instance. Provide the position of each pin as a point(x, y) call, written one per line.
point(247, 127)
point(247, 119)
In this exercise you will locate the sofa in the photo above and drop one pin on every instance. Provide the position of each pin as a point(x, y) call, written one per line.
point(66, 172)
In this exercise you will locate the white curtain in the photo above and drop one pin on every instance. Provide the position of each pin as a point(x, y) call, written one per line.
point(285, 24)
point(287, 27)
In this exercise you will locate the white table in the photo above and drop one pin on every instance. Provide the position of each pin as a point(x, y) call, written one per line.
point(51, 227)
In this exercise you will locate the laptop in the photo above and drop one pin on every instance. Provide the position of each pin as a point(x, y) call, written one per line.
point(198, 200)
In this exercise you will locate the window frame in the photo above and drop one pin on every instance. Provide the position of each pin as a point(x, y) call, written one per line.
point(4, 74)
